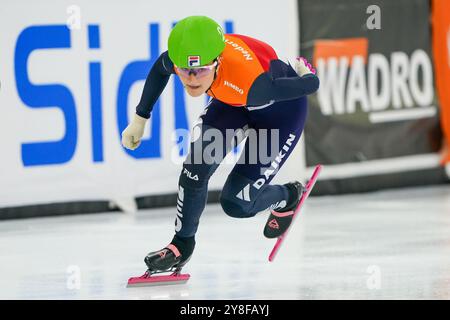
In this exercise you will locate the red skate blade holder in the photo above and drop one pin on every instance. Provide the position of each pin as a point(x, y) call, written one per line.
point(147, 280)
point(309, 186)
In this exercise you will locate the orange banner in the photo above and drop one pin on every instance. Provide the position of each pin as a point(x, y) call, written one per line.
point(441, 53)
point(340, 48)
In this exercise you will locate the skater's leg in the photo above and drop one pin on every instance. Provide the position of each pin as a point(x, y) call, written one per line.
point(193, 182)
point(247, 190)
point(200, 164)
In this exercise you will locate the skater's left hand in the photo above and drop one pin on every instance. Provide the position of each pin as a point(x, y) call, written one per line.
point(302, 67)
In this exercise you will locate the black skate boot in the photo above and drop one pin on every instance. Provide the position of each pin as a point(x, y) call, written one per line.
point(169, 259)
point(280, 220)
point(172, 258)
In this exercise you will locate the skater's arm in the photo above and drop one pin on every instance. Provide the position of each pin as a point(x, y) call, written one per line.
point(154, 84)
point(295, 87)
point(267, 89)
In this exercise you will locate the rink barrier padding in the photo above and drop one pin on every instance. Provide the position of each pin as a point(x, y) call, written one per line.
point(323, 188)
point(54, 209)
point(86, 207)
point(381, 182)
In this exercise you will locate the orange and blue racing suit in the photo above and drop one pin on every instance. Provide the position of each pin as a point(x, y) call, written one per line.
point(252, 89)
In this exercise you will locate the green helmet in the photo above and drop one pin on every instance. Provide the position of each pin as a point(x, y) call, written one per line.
point(195, 41)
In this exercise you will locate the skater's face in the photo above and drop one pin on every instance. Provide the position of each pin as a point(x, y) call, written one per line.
point(197, 80)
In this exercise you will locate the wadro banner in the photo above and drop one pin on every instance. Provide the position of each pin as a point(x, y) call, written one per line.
point(374, 122)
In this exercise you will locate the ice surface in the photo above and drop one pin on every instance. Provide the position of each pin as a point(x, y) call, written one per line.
point(393, 244)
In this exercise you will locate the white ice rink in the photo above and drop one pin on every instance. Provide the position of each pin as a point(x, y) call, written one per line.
point(386, 245)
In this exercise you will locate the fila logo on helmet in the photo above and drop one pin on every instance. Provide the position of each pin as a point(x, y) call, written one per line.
point(194, 61)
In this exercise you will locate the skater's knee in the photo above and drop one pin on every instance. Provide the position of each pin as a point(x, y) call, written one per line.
point(237, 202)
point(234, 209)
point(229, 204)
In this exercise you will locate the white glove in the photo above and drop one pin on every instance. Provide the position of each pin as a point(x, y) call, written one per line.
point(131, 136)
point(302, 67)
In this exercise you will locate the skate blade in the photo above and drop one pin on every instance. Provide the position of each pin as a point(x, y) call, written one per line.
point(309, 187)
point(147, 281)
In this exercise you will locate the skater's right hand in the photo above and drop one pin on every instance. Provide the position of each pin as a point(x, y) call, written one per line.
point(131, 136)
